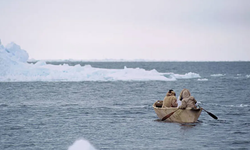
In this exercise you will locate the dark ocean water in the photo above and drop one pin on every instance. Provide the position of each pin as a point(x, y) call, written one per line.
point(118, 115)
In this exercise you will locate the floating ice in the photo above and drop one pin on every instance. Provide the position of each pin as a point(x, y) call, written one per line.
point(14, 67)
point(204, 79)
point(248, 76)
point(189, 75)
point(217, 75)
point(81, 145)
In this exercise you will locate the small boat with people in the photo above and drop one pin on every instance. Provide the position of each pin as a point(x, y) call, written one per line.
point(188, 115)
point(187, 112)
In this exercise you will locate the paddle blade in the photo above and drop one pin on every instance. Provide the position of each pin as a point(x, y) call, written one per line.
point(212, 115)
point(167, 116)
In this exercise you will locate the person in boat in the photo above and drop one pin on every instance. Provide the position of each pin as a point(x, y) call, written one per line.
point(170, 99)
point(187, 100)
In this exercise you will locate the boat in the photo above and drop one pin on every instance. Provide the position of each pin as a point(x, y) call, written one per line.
point(188, 115)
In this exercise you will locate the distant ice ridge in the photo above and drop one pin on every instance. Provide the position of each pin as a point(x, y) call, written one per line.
point(14, 68)
point(81, 145)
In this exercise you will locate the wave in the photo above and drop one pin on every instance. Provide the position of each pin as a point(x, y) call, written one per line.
point(229, 106)
point(239, 105)
point(237, 76)
point(14, 68)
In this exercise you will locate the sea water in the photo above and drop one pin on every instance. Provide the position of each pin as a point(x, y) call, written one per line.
point(111, 109)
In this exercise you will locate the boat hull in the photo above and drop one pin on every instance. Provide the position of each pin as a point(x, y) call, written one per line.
point(187, 115)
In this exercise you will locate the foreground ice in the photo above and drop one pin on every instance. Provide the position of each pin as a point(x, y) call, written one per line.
point(81, 145)
point(14, 68)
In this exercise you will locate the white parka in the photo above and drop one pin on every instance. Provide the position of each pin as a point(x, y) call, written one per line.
point(187, 100)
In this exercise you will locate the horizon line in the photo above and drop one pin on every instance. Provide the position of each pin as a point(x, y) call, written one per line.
point(128, 60)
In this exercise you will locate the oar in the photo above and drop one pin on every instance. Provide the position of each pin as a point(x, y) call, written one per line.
point(210, 114)
point(168, 115)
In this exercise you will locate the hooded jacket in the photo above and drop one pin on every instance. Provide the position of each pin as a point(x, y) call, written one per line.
point(186, 99)
point(170, 100)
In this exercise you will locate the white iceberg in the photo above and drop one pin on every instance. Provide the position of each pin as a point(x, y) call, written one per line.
point(14, 68)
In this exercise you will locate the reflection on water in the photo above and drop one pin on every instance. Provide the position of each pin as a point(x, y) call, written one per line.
point(182, 124)
point(185, 126)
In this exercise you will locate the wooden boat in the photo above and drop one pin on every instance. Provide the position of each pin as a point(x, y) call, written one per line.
point(187, 115)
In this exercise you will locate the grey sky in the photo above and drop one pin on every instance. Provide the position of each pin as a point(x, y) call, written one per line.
point(194, 30)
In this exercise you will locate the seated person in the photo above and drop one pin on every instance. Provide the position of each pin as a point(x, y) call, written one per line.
point(187, 100)
point(170, 99)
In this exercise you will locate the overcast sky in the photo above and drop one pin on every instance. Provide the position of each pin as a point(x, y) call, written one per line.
point(175, 30)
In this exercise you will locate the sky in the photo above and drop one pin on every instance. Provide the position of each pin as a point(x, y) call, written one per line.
point(164, 30)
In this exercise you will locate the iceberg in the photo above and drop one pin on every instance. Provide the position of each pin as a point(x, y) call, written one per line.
point(11, 57)
point(17, 53)
point(15, 68)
